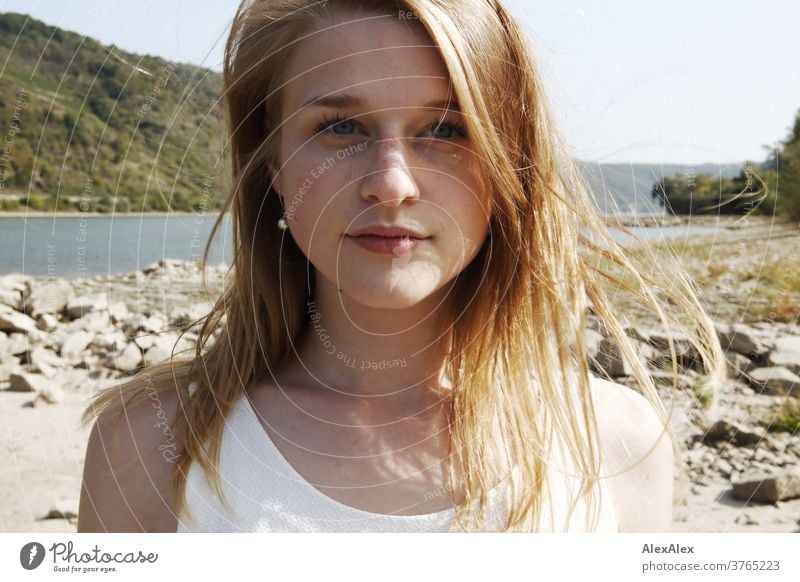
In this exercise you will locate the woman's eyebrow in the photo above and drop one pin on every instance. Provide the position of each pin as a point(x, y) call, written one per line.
point(343, 100)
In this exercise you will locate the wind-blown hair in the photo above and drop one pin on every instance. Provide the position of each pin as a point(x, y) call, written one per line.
point(518, 362)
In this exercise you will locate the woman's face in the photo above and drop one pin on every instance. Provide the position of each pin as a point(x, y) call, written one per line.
point(368, 153)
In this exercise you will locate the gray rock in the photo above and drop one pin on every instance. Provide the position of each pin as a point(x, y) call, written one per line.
point(659, 339)
point(60, 513)
point(138, 323)
point(594, 323)
point(133, 324)
point(8, 357)
point(162, 347)
point(746, 519)
point(84, 304)
point(592, 339)
point(694, 457)
point(766, 456)
point(14, 321)
point(724, 468)
point(53, 339)
point(18, 343)
point(740, 388)
point(95, 321)
point(118, 312)
point(27, 382)
point(45, 361)
point(14, 281)
point(11, 298)
point(184, 316)
point(156, 354)
point(126, 360)
point(609, 359)
point(786, 353)
point(737, 364)
point(165, 267)
point(608, 355)
point(647, 351)
point(8, 365)
point(50, 394)
point(101, 374)
point(145, 341)
point(767, 488)
point(11, 289)
point(154, 323)
point(47, 322)
point(152, 267)
point(732, 433)
point(46, 296)
point(89, 362)
point(111, 341)
point(191, 337)
point(778, 381)
point(741, 339)
point(75, 345)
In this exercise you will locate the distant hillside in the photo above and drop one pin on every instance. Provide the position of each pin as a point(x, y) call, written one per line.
point(89, 121)
point(625, 188)
point(95, 127)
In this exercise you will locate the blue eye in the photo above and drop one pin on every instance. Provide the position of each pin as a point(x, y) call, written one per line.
point(457, 130)
point(339, 125)
point(452, 130)
point(337, 121)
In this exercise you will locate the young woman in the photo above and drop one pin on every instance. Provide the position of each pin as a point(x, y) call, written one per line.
point(400, 347)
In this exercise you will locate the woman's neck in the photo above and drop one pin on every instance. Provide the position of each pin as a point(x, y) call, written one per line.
point(393, 360)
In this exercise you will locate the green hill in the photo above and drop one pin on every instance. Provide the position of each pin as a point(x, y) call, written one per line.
point(92, 126)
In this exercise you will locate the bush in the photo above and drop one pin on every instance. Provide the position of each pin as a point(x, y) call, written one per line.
point(123, 205)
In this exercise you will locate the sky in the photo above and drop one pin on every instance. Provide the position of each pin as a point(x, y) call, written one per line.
point(629, 80)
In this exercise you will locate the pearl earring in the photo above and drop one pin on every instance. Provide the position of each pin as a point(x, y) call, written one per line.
point(282, 223)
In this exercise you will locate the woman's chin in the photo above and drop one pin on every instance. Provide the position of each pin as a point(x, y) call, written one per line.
point(396, 295)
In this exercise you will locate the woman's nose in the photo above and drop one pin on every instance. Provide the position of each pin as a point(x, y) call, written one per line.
point(389, 179)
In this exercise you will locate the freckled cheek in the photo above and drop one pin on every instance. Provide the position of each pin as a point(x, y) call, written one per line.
point(472, 230)
point(468, 223)
point(460, 198)
point(320, 202)
point(322, 174)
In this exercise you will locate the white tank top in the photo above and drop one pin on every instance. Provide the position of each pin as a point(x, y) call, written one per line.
point(268, 495)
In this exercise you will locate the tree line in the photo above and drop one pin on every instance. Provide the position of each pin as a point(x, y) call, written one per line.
point(771, 187)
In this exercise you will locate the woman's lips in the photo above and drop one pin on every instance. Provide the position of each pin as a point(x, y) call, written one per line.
point(387, 245)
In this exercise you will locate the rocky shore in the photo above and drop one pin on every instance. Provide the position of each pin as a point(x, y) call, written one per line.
point(57, 334)
point(727, 221)
point(61, 340)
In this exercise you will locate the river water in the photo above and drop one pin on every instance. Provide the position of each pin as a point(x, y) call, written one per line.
point(81, 246)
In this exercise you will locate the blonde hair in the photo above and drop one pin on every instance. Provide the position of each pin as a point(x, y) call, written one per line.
point(519, 308)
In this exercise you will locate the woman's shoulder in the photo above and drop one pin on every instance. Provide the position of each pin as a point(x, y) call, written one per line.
point(130, 458)
point(637, 457)
point(622, 404)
